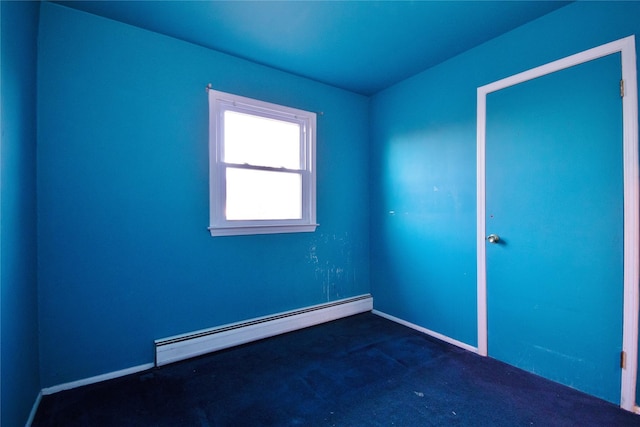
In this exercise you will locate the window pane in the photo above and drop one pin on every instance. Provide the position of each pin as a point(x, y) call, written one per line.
point(261, 141)
point(263, 195)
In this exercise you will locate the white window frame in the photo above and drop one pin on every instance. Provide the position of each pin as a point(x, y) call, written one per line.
point(219, 102)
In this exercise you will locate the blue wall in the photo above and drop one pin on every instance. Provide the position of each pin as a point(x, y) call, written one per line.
point(125, 254)
point(122, 201)
point(20, 379)
point(423, 162)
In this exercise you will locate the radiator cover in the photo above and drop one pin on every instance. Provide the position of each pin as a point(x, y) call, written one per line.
point(185, 346)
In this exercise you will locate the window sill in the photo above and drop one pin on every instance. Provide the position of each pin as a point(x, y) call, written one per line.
point(272, 229)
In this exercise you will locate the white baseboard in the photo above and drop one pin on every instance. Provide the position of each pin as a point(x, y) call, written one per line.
point(427, 331)
point(96, 379)
point(263, 328)
point(185, 346)
point(34, 410)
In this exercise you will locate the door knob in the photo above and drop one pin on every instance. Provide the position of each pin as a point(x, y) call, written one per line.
point(493, 238)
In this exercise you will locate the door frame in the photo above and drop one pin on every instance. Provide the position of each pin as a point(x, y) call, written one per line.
point(631, 273)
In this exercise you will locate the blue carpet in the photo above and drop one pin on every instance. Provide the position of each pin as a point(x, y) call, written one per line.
point(359, 371)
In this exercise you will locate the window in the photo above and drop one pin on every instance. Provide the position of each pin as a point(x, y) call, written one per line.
point(261, 166)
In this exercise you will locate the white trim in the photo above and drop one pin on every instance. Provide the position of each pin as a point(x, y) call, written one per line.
point(185, 346)
point(626, 47)
point(427, 331)
point(98, 378)
point(244, 231)
point(34, 410)
point(481, 225)
point(631, 223)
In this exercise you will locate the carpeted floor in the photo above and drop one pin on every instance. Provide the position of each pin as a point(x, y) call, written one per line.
point(359, 371)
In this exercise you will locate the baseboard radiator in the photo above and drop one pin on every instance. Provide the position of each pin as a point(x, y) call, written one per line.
point(180, 347)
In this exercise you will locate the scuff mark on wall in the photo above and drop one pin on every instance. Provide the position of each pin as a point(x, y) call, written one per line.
point(332, 259)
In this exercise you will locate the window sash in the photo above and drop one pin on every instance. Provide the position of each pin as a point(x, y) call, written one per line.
point(255, 194)
point(252, 158)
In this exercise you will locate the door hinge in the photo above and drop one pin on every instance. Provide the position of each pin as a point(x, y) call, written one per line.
point(621, 88)
point(623, 359)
